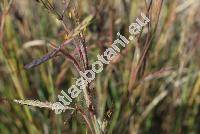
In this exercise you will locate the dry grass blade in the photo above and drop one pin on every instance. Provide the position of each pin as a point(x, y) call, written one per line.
point(2, 18)
point(33, 43)
point(160, 73)
point(153, 104)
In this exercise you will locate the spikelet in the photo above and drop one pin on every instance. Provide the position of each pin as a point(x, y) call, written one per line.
point(36, 103)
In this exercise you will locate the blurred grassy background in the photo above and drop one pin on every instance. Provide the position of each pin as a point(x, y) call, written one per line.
point(165, 94)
